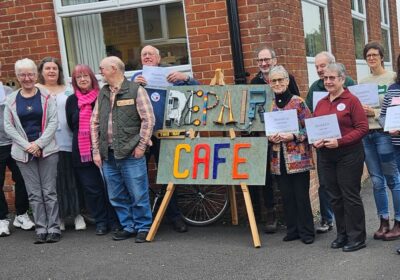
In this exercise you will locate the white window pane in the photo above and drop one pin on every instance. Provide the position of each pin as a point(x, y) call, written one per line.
point(386, 44)
point(77, 2)
point(360, 6)
point(359, 37)
point(314, 28)
point(152, 23)
point(353, 5)
point(176, 20)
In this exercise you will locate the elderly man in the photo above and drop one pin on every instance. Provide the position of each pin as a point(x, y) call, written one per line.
point(121, 127)
point(150, 56)
point(322, 60)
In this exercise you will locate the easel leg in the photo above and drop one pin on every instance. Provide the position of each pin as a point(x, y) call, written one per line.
point(161, 211)
point(250, 214)
point(233, 203)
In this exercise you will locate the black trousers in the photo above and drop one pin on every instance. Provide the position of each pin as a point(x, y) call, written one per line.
point(296, 203)
point(21, 196)
point(342, 169)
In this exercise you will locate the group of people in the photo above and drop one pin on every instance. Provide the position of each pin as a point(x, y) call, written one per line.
point(85, 147)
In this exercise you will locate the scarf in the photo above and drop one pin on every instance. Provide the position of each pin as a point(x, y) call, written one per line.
point(283, 99)
point(85, 112)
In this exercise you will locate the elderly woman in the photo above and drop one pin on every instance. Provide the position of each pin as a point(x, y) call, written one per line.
point(379, 151)
point(79, 108)
point(30, 119)
point(342, 160)
point(291, 161)
point(51, 78)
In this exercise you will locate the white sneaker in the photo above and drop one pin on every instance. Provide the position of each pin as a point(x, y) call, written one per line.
point(79, 223)
point(4, 229)
point(23, 222)
point(62, 226)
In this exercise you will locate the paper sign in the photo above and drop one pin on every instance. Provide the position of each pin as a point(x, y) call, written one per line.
point(281, 122)
point(366, 93)
point(323, 127)
point(392, 120)
point(317, 96)
point(156, 76)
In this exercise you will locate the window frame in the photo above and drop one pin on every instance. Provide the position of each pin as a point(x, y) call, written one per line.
point(384, 8)
point(362, 17)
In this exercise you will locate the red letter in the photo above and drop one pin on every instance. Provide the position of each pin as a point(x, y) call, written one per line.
point(205, 160)
point(238, 160)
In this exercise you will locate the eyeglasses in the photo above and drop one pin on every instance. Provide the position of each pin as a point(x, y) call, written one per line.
point(330, 78)
point(24, 75)
point(266, 60)
point(373, 55)
point(280, 80)
point(82, 77)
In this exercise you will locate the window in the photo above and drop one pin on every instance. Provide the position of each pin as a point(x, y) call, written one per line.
point(385, 30)
point(315, 26)
point(90, 31)
point(359, 26)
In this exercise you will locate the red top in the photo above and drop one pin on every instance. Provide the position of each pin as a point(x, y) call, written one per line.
point(352, 119)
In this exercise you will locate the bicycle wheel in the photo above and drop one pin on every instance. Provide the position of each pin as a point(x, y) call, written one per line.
point(202, 205)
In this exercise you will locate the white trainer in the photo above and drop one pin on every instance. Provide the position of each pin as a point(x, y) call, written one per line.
point(62, 226)
point(4, 228)
point(23, 222)
point(79, 223)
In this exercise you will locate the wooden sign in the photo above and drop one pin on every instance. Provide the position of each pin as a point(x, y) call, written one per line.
point(213, 161)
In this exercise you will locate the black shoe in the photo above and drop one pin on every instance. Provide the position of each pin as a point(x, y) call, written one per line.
point(122, 235)
point(179, 225)
point(141, 237)
point(290, 238)
point(40, 238)
point(398, 251)
point(101, 230)
point(354, 246)
point(324, 227)
point(339, 242)
point(53, 237)
point(308, 240)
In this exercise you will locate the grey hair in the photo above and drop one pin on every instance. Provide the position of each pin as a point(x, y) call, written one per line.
point(338, 68)
point(154, 48)
point(271, 51)
point(25, 63)
point(279, 69)
point(328, 55)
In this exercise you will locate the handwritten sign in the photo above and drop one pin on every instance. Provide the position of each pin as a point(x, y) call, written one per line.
point(317, 96)
point(323, 127)
point(281, 122)
point(392, 121)
point(366, 93)
point(156, 76)
point(213, 161)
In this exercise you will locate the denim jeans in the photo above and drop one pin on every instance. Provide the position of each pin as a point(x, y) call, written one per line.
point(396, 191)
point(382, 167)
point(127, 186)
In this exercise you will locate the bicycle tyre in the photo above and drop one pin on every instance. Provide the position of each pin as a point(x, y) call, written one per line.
point(202, 205)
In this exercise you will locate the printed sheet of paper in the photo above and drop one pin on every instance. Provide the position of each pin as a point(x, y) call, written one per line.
point(392, 121)
point(156, 76)
point(366, 93)
point(317, 96)
point(323, 127)
point(281, 122)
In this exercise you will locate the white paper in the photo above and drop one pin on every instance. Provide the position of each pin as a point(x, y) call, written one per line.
point(323, 127)
point(317, 96)
point(281, 122)
point(392, 120)
point(366, 93)
point(156, 77)
point(2, 94)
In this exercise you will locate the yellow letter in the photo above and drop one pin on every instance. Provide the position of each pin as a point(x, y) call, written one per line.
point(185, 173)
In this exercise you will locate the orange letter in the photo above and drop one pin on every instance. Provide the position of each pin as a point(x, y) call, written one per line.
point(205, 160)
point(238, 160)
point(185, 173)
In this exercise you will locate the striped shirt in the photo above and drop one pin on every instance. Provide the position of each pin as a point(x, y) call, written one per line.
point(393, 91)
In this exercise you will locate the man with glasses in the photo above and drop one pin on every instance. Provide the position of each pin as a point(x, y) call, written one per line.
point(322, 60)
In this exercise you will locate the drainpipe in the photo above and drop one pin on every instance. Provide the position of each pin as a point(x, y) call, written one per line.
point(236, 43)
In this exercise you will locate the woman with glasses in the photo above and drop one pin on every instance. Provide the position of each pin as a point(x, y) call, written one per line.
point(380, 155)
point(342, 160)
point(30, 119)
point(291, 161)
point(51, 79)
point(79, 108)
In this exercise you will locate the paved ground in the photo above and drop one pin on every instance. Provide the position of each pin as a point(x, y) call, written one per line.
point(215, 252)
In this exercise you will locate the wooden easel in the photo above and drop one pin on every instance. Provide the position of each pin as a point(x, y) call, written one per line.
point(217, 80)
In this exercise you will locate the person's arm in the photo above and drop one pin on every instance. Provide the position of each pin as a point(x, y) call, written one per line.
point(181, 79)
point(94, 135)
point(303, 112)
point(309, 99)
point(69, 110)
point(11, 130)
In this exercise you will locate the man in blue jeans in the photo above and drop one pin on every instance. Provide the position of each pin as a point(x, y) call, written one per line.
point(121, 126)
point(322, 60)
point(150, 56)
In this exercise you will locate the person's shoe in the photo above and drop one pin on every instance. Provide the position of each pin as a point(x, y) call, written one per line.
point(101, 230)
point(339, 242)
point(179, 225)
point(141, 237)
point(308, 240)
point(324, 227)
point(354, 246)
point(115, 229)
point(53, 237)
point(4, 228)
point(398, 251)
point(122, 235)
point(383, 229)
point(271, 225)
point(62, 225)
point(40, 238)
point(394, 233)
point(24, 222)
point(80, 223)
point(290, 238)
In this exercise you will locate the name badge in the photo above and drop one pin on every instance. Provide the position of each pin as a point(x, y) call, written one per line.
point(125, 102)
point(395, 101)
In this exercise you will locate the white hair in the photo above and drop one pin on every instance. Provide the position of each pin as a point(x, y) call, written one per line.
point(25, 63)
